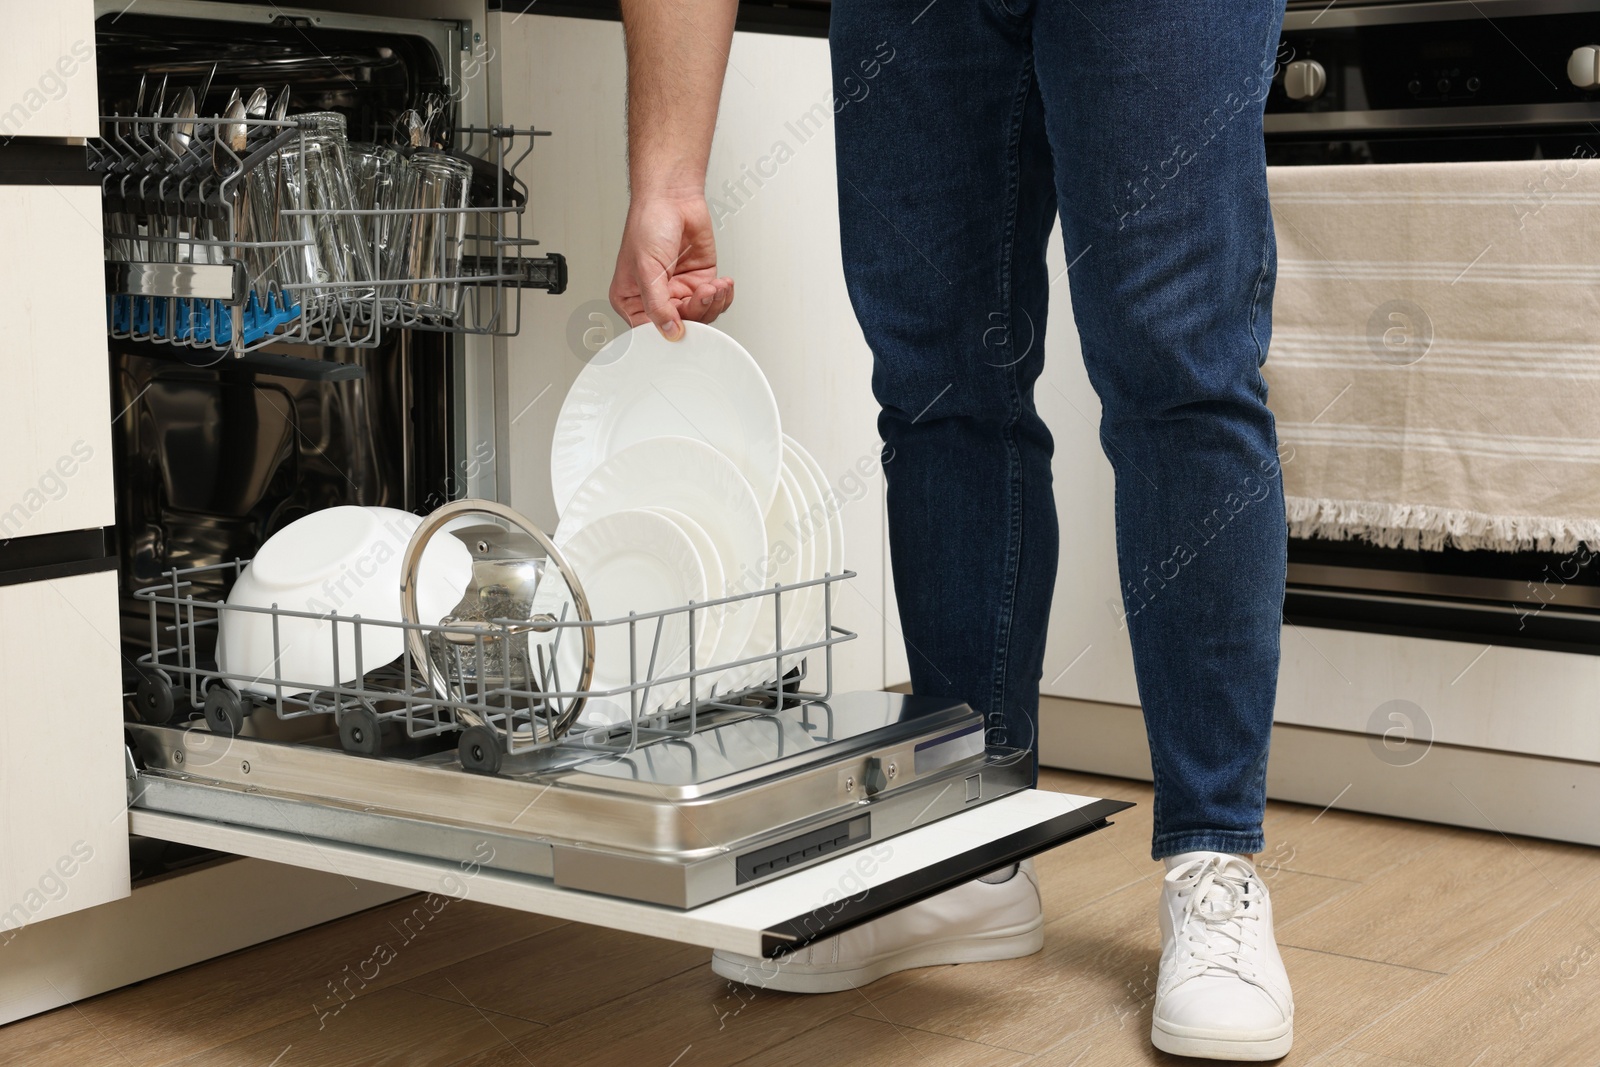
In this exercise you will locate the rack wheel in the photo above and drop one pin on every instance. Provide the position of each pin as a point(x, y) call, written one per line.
point(152, 698)
point(480, 750)
point(360, 732)
point(224, 711)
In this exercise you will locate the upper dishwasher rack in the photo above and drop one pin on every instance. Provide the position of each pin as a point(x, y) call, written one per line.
point(216, 239)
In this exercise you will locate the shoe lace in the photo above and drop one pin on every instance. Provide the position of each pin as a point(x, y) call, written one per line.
point(1220, 930)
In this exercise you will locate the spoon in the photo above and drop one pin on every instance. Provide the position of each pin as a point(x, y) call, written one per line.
point(255, 109)
point(231, 136)
point(205, 89)
point(130, 130)
point(280, 108)
point(182, 132)
point(159, 105)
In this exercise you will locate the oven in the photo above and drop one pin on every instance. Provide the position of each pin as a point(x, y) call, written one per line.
point(1456, 83)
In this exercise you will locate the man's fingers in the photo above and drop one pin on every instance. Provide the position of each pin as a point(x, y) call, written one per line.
point(655, 292)
point(719, 303)
point(698, 304)
point(724, 296)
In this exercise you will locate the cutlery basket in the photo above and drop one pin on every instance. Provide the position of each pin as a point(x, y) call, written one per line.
point(225, 234)
point(497, 719)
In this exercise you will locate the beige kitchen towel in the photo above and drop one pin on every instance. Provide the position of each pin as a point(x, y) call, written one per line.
point(1435, 359)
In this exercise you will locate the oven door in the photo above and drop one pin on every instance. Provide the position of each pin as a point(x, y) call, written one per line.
point(1453, 84)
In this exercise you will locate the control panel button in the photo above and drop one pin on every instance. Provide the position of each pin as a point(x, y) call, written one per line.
point(1583, 68)
point(1304, 79)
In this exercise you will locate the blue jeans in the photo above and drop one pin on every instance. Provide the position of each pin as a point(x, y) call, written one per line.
point(962, 127)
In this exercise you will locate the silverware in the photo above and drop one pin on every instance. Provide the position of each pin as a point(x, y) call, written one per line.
point(256, 108)
point(232, 135)
point(280, 108)
point(205, 89)
point(159, 105)
point(136, 129)
point(182, 127)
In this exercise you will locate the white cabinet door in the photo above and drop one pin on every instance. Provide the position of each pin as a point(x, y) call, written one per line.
point(64, 834)
point(47, 83)
point(781, 245)
point(55, 439)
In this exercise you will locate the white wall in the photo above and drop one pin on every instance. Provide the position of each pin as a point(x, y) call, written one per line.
point(780, 245)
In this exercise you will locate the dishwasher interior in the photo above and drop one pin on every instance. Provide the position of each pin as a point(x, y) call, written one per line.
point(261, 374)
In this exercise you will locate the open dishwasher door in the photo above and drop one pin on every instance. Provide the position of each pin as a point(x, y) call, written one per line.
point(757, 834)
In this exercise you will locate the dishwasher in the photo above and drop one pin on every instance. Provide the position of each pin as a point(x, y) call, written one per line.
point(277, 348)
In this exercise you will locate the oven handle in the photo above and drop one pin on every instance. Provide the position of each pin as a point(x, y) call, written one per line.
point(1400, 120)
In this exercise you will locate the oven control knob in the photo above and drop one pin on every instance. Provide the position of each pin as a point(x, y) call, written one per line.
point(1584, 67)
point(1304, 79)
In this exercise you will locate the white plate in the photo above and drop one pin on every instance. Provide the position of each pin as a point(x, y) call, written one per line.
point(783, 567)
point(641, 386)
point(830, 504)
point(694, 478)
point(636, 561)
point(708, 623)
point(318, 564)
point(813, 534)
point(801, 611)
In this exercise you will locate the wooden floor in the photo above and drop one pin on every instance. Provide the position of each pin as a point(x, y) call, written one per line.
point(1406, 944)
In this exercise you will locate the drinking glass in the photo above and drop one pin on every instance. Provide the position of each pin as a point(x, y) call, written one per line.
point(316, 177)
point(383, 180)
point(436, 235)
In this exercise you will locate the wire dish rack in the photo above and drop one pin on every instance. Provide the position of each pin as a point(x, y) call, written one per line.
point(500, 714)
point(216, 239)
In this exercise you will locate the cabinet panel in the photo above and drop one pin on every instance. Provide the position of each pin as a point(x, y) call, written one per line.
point(55, 439)
point(1412, 691)
point(63, 841)
point(47, 84)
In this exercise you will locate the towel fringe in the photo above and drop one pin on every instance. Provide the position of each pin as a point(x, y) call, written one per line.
point(1430, 528)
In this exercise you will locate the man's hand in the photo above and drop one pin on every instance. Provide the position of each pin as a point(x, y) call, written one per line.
point(667, 267)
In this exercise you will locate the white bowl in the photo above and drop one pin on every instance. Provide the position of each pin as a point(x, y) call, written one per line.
point(342, 561)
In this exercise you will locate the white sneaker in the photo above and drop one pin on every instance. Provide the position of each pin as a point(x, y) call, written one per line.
point(972, 923)
point(1222, 992)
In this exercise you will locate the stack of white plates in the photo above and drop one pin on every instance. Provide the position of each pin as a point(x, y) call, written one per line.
point(675, 483)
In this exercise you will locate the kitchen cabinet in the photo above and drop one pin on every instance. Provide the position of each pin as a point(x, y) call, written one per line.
point(64, 840)
point(63, 844)
point(47, 84)
point(55, 441)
